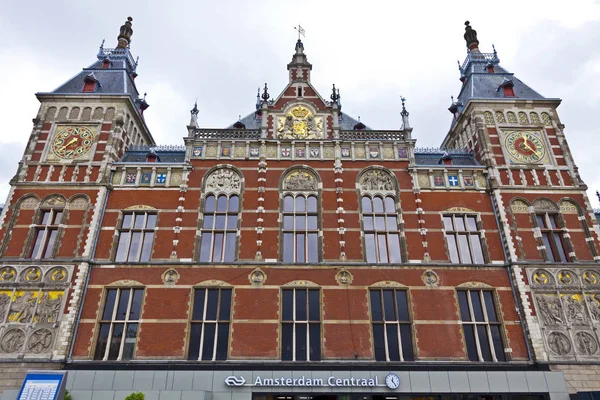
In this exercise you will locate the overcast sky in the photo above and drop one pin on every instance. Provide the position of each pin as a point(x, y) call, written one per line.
point(221, 51)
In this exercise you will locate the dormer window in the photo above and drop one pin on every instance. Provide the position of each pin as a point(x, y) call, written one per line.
point(239, 125)
point(359, 127)
point(490, 68)
point(106, 63)
point(507, 88)
point(151, 157)
point(89, 83)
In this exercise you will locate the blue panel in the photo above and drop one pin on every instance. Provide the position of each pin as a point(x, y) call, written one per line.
point(39, 385)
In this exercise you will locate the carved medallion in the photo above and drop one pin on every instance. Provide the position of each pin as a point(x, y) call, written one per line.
point(56, 275)
point(7, 274)
point(344, 277)
point(224, 180)
point(170, 277)
point(591, 278)
point(257, 277)
point(40, 341)
point(542, 277)
point(300, 180)
point(430, 278)
point(12, 340)
point(559, 343)
point(585, 343)
point(376, 180)
point(299, 123)
point(566, 277)
point(31, 274)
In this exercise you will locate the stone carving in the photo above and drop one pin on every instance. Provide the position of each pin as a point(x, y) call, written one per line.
point(542, 277)
point(140, 207)
point(566, 277)
point(512, 118)
point(489, 119)
point(40, 340)
point(12, 340)
point(7, 274)
point(344, 277)
point(300, 180)
point(301, 283)
point(460, 210)
point(591, 278)
point(48, 308)
point(21, 309)
point(567, 207)
point(56, 275)
point(544, 205)
point(559, 343)
point(170, 277)
point(257, 277)
point(500, 117)
point(79, 203)
point(387, 284)
point(575, 310)
point(376, 180)
point(54, 201)
point(546, 119)
point(224, 180)
point(594, 307)
point(585, 343)
point(4, 302)
point(430, 278)
point(30, 203)
point(299, 123)
point(535, 119)
point(550, 309)
point(31, 274)
point(523, 118)
point(519, 206)
point(213, 282)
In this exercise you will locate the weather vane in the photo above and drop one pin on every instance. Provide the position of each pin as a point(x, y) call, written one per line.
point(300, 31)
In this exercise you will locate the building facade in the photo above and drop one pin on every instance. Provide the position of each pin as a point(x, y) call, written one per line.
point(299, 252)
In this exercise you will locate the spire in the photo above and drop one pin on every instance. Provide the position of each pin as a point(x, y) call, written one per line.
point(471, 37)
point(339, 100)
point(299, 68)
point(194, 115)
point(258, 99)
point(125, 33)
point(404, 114)
point(265, 96)
point(334, 95)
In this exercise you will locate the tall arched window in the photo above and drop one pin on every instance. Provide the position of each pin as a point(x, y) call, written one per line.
point(381, 231)
point(46, 231)
point(219, 225)
point(552, 240)
point(300, 218)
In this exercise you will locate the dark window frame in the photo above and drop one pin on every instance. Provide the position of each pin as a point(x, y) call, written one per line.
point(297, 325)
point(131, 230)
point(404, 327)
point(454, 235)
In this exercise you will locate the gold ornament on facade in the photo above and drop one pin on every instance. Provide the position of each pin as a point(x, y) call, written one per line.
point(542, 277)
point(512, 118)
point(489, 118)
point(299, 123)
point(591, 278)
point(546, 119)
point(56, 275)
point(566, 277)
point(31, 274)
point(500, 117)
point(7, 274)
point(535, 119)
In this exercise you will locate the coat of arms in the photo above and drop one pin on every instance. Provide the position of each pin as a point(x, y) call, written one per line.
point(314, 152)
point(345, 152)
point(254, 151)
point(285, 152)
point(299, 123)
point(300, 152)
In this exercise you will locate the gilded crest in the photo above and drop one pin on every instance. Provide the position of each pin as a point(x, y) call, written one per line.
point(299, 123)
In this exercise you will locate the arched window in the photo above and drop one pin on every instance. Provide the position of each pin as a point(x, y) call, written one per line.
point(300, 218)
point(381, 231)
point(550, 225)
point(219, 227)
point(46, 229)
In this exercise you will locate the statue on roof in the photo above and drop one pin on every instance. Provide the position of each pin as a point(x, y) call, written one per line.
point(471, 36)
point(125, 33)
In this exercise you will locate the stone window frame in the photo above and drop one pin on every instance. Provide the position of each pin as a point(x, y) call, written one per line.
point(306, 286)
point(204, 193)
point(480, 288)
point(549, 208)
point(283, 192)
point(141, 208)
point(119, 286)
point(45, 205)
point(215, 285)
point(395, 193)
point(584, 225)
point(483, 241)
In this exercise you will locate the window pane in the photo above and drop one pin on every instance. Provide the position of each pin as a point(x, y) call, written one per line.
point(300, 222)
point(102, 341)
point(452, 249)
point(134, 246)
point(115, 341)
point(366, 205)
point(288, 204)
point(130, 339)
point(541, 221)
point(379, 342)
point(380, 223)
point(370, 248)
point(50, 243)
point(139, 221)
point(127, 218)
point(136, 304)
point(212, 304)
point(220, 222)
point(312, 222)
point(368, 223)
point(194, 350)
point(459, 223)
point(546, 240)
point(376, 314)
point(465, 254)
point(392, 340)
point(315, 342)
point(209, 204)
point(559, 247)
point(300, 248)
point(301, 342)
point(230, 242)
point(288, 222)
point(288, 247)
point(123, 303)
point(402, 305)
point(394, 243)
point(147, 246)
point(476, 304)
point(465, 314)
point(313, 248)
point(205, 246)
point(208, 341)
point(287, 339)
point(553, 221)
point(57, 217)
point(477, 250)
point(448, 223)
point(287, 306)
point(391, 223)
point(497, 341)
point(472, 224)
point(225, 307)
point(312, 204)
point(300, 305)
point(484, 343)
point(300, 204)
point(209, 219)
point(151, 221)
point(198, 312)
point(406, 337)
point(314, 309)
point(218, 247)
point(489, 306)
point(470, 341)
point(382, 247)
point(222, 341)
point(389, 305)
point(234, 204)
point(222, 204)
point(45, 218)
point(35, 253)
point(378, 204)
point(109, 306)
point(232, 221)
point(389, 205)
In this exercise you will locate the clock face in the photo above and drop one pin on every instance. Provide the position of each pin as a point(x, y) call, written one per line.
point(525, 147)
point(71, 142)
point(392, 381)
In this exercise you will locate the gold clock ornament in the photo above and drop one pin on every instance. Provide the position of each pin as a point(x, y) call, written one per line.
point(71, 142)
point(524, 147)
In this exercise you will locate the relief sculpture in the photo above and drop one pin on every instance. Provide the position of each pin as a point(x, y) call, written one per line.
point(49, 309)
point(376, 180)
point(224, 180)
point(594, 308)
point(40, 340)
point(574, 310)
point(300, 180)
point(559, 343)
point(4, 301)
point(299, 123)
point(12, 340)
point(586, 344)
point(21, 309)
point(550, 310)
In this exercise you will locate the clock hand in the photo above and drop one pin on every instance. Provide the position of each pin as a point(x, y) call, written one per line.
point(527, 146)
point(74, 140)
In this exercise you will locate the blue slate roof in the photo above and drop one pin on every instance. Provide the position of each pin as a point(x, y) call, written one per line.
point(433, 157)
point(139, 154)
point(251, 121)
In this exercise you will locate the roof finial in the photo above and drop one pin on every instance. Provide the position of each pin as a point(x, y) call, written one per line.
point(102, 44)
point(334, 95)
point(452, 98)
point(471, 37)
point(495, 53)
point(265, 96)
point(258, 99)
point(359, 118)
point(125, 33)
point(299, 45)
point(404, 113)
point(194, 114)
point(598, 195)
